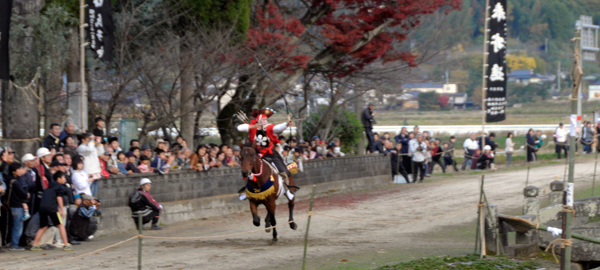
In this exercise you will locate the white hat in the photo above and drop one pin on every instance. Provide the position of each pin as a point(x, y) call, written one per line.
point(42, 152)
point(160, 141)
point(487, 147)
point(27, 157)
point(543, 136)
point(145, 181)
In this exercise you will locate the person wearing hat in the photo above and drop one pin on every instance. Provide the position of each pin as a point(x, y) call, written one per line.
point(81, 226)
point(142, 201)
point(264, 136)
point(560, 138)
point(43, 169)
point(146, 151)
point(486, 160)
point(91, 164)
point(368, 120)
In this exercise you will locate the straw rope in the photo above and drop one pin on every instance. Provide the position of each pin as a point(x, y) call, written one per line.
point(563, 244)
point(85, 254)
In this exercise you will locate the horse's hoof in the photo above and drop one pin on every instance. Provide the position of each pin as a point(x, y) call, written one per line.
point(274, 239)
point(268, 229)
point(294, 226)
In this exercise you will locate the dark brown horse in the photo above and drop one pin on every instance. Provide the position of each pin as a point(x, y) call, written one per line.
point(263, 188)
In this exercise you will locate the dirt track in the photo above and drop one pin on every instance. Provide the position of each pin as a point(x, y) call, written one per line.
point(361, 244)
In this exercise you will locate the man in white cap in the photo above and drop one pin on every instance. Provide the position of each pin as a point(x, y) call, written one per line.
point(44, 168)
point(33, 182)
point(142, 201)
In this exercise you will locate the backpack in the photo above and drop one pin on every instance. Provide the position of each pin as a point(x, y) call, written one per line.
point(135, 201)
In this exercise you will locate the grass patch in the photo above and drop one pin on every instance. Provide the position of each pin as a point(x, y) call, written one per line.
point(463, 262)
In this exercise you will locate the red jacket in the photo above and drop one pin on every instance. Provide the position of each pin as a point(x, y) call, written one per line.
point(270, 134)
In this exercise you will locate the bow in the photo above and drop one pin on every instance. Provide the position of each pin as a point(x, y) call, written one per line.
point(278, 88)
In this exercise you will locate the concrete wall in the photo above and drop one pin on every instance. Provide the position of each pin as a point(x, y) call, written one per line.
point(187, 195)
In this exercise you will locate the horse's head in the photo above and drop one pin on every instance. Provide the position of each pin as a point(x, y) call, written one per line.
point(248, 159)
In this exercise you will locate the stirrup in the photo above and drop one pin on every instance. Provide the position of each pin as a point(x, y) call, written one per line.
point(291, 186)
point(289, 194)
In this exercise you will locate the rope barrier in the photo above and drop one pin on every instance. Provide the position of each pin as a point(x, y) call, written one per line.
point(20, 140)
point(83, 255)
point(225, 235)
point(563, 243)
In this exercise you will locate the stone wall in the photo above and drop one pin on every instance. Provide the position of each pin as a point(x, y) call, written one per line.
point(186, 185)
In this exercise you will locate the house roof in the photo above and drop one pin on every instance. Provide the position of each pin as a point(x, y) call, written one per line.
point(521, 72)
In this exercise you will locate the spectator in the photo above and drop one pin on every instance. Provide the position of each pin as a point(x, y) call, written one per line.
point(82, 182)
point(530, 146)
point(368, 120)
point(52, 209)
point(122, 164)
point(136, 152)
point(449, 153)
point(44, 167)
point(199, 160)
point(134, 143)
point(236, 150)
point(330, 153)
point(416, 130)
point(560, 138)
point(426, 136)
point(144, 166)
point(598, 136)
point(161, 144)
point(131, 163)
point(587, 138)
point(115, 146)
point(146, 151)
point(105, 171)
point(418, 149)
point(469, 146)
point(379, 142)
point(17, 201)
point(52, 141)
point(68, 130)
point(142, 201)
point(7, 155)
point(69, 146)
point(99, 129)
point(178, 143)
point(475, 158)
point(160, 161)
point(231, 160)
point(33, 182)
point(396, 162)
point(82, 226)
point(510, 148)
point(436, 156)
point(91, 163)
point(219, 160)
point(538, 140)
point(486, 160)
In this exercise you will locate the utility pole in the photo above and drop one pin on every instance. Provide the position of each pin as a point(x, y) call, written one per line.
point(558, 76)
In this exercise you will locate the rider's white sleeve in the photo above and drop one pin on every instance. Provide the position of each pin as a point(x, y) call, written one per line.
point(243, 128)
point(279, 128)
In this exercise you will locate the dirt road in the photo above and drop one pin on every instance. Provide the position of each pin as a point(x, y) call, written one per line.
point(334, 243)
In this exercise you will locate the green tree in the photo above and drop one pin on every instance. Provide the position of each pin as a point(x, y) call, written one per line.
point(343, 125)
point(560, 22)
point(429, 101)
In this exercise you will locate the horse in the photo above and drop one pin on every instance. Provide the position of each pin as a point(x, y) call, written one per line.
point(263, 187)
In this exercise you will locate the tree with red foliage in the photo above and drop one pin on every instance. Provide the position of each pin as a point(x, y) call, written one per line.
point(336, 37)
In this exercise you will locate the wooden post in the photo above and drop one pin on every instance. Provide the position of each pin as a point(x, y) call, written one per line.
point(83, 44)
point(308, 226)
point(527, 181)
point(140, 224)
point(483, 74)
point(594, 179)
point(481, 221)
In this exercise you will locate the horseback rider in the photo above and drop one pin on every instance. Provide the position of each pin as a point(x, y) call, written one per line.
point(265, 136)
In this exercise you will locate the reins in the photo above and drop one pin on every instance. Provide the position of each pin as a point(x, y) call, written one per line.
point(253, 176)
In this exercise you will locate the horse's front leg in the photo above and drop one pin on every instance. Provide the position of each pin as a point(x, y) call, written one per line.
point(254, 211)
point(293, 225)
point(270, 220)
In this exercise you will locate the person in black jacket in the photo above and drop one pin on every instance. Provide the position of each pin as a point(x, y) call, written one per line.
point(142, 201)
point(368, 121)
point(397, 166)
point(52, 141)
point(17, 192)
point(81, 225)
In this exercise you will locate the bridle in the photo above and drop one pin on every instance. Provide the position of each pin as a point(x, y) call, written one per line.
point(252, 176)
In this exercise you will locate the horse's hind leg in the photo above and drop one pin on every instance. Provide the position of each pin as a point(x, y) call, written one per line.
point(268, 223)
point(293, 225)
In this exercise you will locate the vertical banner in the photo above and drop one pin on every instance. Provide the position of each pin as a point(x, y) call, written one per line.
point(5, 12)
point(496, 71)
point(100, 28)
